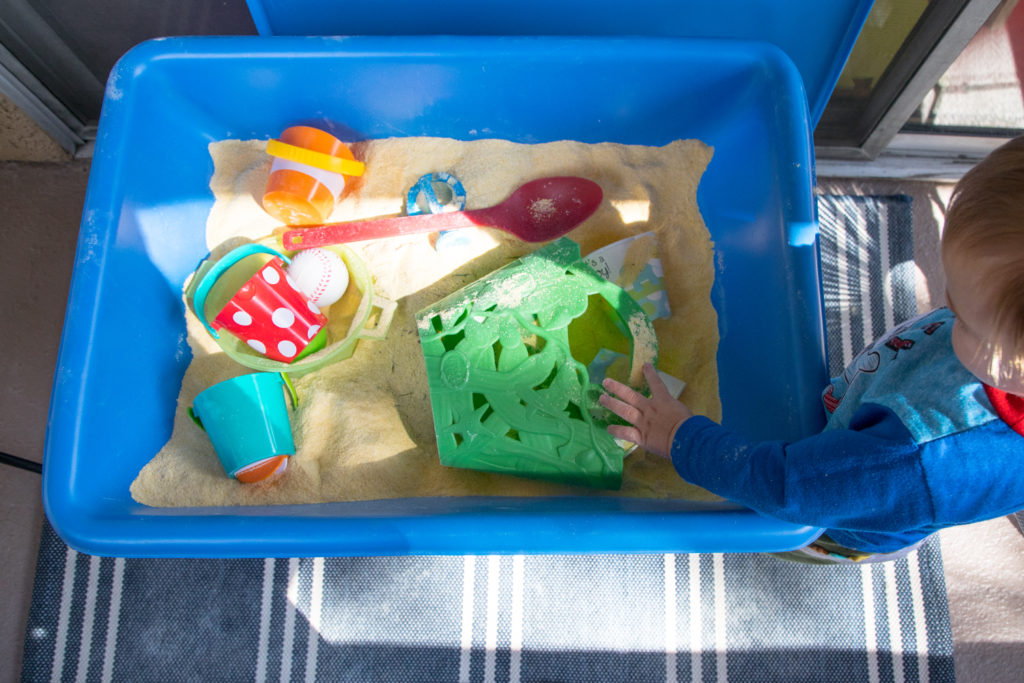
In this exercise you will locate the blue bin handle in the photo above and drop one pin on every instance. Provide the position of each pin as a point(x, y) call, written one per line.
point(206, 284)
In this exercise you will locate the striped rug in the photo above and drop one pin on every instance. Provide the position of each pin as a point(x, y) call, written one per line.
point(868, 272)
point(545, 618)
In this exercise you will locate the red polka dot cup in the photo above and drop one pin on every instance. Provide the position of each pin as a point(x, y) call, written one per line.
point(268, 312)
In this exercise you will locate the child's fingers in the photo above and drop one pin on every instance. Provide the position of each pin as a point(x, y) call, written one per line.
point(624, 410)
point(654, 381)
point(630, 434)
point(622, 391)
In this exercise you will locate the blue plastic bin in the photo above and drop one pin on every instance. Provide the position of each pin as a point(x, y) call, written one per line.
point(818, 36)
point(123, 351)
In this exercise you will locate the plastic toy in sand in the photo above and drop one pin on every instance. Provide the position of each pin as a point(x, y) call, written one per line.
point(440, 192)
point(309, 172)
point(320, 274)
point(268, 312)
point(247, 421)
point(631, 263)
point(359, 314)
point(506, 361)
point(540, 210)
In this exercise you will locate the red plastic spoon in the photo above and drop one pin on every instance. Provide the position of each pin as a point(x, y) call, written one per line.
point(537, 211)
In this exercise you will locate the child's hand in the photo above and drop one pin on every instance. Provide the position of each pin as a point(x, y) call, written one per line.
point(655, 419)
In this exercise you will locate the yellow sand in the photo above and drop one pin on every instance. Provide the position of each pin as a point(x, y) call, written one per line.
point(363, 429)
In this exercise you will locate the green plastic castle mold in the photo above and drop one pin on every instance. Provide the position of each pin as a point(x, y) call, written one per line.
point(507, 393)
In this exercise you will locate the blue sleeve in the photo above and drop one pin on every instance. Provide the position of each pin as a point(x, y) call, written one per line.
point(868, 477)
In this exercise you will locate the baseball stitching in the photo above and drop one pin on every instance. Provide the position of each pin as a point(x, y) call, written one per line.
point(321, 284)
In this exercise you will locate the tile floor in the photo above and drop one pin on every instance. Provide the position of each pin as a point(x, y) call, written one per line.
point(41, 207)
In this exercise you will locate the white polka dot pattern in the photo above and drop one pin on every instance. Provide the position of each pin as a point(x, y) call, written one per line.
point(271, 315)
point(271, 275)
point(287, 348)
point(282, 317)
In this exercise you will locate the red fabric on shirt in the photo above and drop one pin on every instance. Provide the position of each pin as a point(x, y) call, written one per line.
point(1009, 407)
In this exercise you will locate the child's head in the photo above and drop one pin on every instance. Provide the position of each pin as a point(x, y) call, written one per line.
point(983, 256)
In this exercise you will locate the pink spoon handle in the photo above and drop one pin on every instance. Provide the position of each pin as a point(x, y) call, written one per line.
point(356, 231)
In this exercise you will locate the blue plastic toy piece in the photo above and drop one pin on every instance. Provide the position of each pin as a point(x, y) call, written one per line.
point(435, 193)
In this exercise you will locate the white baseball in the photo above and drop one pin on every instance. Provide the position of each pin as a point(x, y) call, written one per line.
point(320, 274)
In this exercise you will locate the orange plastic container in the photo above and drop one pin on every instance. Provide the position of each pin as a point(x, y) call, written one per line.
point(309, 173)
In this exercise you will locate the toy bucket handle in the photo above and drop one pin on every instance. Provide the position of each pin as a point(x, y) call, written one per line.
point(294, 395)
point(195, 418)
point(387, 312)
point(206, 284)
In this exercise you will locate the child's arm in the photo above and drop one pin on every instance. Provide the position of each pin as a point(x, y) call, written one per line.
point(869, 479)
point(655, 419)
point(864, 479)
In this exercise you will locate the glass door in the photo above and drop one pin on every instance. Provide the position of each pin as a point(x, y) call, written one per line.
point(903, 86)
point(928, 77)
point(55, 54)
point(980, 93)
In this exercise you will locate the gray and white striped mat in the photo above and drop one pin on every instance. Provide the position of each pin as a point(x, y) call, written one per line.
point(868, 270)
point(544, 618)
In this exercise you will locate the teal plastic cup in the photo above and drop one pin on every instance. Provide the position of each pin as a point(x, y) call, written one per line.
point(246, 418)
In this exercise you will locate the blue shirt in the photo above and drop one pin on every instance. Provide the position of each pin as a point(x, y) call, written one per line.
point(912, 445)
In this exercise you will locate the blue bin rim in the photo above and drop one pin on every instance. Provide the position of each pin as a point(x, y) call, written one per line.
point(103, 530)
point(818, 36)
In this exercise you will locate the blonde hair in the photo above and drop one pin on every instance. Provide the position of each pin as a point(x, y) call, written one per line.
point(985, 223)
